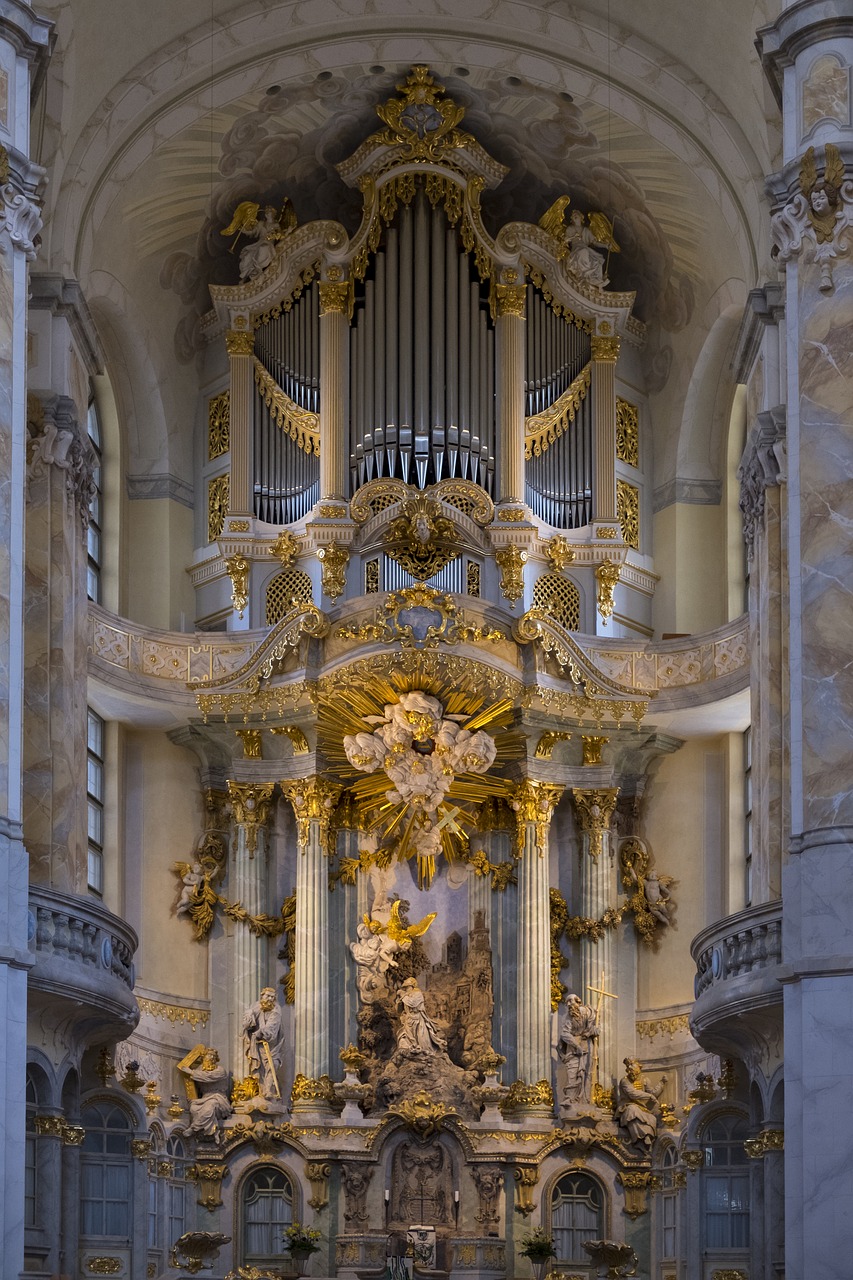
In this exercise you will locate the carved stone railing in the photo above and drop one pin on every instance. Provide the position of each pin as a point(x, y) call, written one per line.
point(738, 978)
point(692, 669)
point(83, 958)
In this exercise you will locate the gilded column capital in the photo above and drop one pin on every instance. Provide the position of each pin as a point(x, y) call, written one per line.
point(509, 300)
point(605, 347)
point(313, 800)
point(49, 1126)
point(240, 342)
point(335, 297)
point(534, 802)
point(595, 809)
point(252, 804)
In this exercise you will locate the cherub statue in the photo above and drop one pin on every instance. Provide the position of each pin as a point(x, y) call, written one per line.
point(821, 209)
point(265, 230)
point(651, 893)
point(198, 897)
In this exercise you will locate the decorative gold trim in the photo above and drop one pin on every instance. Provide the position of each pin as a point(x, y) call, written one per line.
point(765, 1142)
point(104, 1265)
point(628, 512)
point(334, 558)
point(547, 742)
point(509, 300)
point(237, 568)
point(606, 575)
point(253, 743)
point(173, 1012)
point(218, 498)
point(298, 741)
point(209, 1177)
point(652, 1027)
point(239, 342)
point(335, 297)
point(511, 561)
point(559, 552)
point(605, 348)
point(543, 429)
point(218, 425)
point(592, 747)
point(302, 426)
point(313, 800)
point(534, 803)
point(238, 526)
point(636, 1185)
point(627, 432)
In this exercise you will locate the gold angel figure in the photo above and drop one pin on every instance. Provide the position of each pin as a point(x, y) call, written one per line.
point(602, 228)
point(553, 219)
point(264, 229)
point(396, 930)
point(822, 194)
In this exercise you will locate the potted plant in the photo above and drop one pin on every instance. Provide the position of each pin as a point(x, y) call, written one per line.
point(300, 1242)
point(538, 1246)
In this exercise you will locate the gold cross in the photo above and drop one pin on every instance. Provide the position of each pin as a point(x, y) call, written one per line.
point(601, 993)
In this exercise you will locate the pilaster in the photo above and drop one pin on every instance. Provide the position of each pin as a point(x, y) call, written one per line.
point(240, 344)
point(605, 353)
point(594, 808)
point(509, 306)
point(252, 805)
point(335, 303)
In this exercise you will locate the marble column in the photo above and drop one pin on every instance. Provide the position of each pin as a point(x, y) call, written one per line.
point(24, 41)
point(810, 46)
point(252, 805)
point(335, 297)
point(59, 489)
point(313, 803)
point(49, 1132)
point(240, 344)
point(509, 307)
point(534, 803)
point(72, 1140)
point(605, 352)
point(595, 808)
point(763, 501)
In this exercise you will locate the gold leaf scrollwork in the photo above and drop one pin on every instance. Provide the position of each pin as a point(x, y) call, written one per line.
point(424, 1116)
point(605, 348)
point(237, 568)
point(559, 915)
point(627, 432)
point(104, 1266)
point(628, 512)
point(286, 548)
point(300, 424)
point(218, 425)
point(306, 1089)
point(218, 497)
point(543, 429)
point(239, 342)
point(421, 120)
point(334, 558)
point(335, 297)
point(606, 575)
point(511, 561)
point(209, 1177)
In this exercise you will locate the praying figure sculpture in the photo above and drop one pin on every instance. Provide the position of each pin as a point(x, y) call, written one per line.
point(417, 1032)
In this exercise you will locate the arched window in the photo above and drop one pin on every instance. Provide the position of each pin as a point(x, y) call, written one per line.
point(176, 1191)
point(577, 1214)
point(31, 1155)
point(96, 519)
point(105, 1173)
point(267, 1210)
point(668, 1202)
point(560, 600)
point(725, 1184)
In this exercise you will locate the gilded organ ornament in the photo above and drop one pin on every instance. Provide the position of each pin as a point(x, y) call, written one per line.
point(511, 561)
point(218, 496)
point(334, 559)
point(218, 425)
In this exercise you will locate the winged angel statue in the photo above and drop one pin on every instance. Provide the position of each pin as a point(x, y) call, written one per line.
point(263, 229)
point(580, 240)
point(822, 211)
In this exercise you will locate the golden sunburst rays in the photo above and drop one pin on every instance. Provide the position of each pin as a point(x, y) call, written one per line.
point(398, 824)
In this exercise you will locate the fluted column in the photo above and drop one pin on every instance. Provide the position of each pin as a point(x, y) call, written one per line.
point(509, 340)
point(240, 344)
point(605, 352)
point(594, 808)
point(252, 804)
point(534, 804)
point(335, 295)
point(313, 803)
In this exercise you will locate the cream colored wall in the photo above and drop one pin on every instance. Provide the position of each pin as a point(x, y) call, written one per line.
point(163, 820)
point(687, 831)
point(159, 593)
point(690, 556)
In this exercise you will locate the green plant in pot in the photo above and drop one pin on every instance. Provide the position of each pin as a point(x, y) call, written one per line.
point(538, 1246)
point(300, 1242)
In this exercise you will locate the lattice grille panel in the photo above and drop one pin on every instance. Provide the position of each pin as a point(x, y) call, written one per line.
point(286, 587)
point(560, 600)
